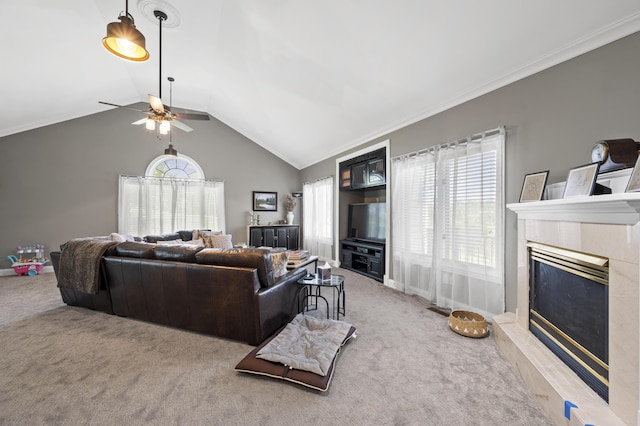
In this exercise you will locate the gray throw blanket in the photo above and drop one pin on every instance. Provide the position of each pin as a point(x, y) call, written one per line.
point(307, 343)
point(80, 264)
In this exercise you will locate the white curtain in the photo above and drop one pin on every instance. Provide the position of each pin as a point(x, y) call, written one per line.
point(448, 223)
point(317, 214)
point(148, 205)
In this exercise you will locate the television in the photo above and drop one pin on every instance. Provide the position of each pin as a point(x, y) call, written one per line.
point(367, 222)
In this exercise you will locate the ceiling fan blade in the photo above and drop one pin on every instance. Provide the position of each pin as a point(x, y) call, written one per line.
point(181, 126)
point(188, 116)
point(156, 104)
point(122, 106)
point(141, 121)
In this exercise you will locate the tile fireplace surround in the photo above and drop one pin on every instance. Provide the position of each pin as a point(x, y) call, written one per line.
point(604, 225)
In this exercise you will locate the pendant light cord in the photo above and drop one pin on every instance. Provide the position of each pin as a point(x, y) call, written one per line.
point(160, 19)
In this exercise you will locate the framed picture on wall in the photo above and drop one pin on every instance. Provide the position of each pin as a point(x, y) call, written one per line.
point(265, 201)
point(581, 180)
point(634, 180)
point(533, 186)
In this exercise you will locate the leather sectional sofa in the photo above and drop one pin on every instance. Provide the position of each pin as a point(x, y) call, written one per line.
point(229, 293)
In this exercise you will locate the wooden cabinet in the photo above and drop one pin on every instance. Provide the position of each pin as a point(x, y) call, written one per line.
point(365, 258)
point(366, 171)
point(286, 236)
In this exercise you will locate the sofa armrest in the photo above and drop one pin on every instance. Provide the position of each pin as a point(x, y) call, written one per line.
point(278, 304)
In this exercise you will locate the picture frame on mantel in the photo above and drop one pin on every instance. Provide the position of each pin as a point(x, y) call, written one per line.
point(581, 180)
point(264, 201)
point(533, 186)
point(634, 180)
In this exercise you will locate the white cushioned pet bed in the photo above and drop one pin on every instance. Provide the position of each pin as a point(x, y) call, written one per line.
point(302, 352)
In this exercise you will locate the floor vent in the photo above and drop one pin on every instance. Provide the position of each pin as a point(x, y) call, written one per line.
point(441, 311)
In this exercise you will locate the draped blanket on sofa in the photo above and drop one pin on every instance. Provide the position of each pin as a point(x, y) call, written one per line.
point(80, 264)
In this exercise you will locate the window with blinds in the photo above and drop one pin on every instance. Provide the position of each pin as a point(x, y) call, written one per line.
point(469, 204)
point(417, 182)
point(447, 197)
point(448, 223)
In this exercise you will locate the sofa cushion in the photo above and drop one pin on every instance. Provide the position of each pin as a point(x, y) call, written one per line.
point(163, 237)
point(179, 253)
point(248, 258)
point(218, 241)
point(136, 249)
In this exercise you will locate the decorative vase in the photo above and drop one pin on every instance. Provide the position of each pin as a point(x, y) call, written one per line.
point(290, 218)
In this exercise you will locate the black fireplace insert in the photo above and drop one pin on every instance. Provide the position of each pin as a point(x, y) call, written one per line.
point(569, 310)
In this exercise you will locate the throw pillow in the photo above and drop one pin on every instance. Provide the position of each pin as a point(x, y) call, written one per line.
point(121, 238)
point(279, 261)
point(218, 241)
point(201, 233)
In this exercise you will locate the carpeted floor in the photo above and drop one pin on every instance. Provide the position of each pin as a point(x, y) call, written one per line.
point(65, 365)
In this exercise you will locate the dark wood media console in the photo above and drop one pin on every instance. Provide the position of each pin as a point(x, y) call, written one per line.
point(364, 257)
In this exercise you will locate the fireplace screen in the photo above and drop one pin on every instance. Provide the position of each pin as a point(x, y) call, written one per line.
point(569, 310)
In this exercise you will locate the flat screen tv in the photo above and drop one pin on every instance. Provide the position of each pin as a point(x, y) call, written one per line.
point(367, 221)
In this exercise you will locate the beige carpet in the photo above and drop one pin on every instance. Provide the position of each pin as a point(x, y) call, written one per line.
point(68, 366)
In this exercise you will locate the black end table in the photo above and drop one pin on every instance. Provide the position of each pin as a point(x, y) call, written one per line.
point(313, 285)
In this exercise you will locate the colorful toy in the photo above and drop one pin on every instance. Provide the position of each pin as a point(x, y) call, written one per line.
point(31, 266)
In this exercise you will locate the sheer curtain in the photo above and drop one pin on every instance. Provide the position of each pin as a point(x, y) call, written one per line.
point(448, 223)
point(317, 214)
point(148, 205)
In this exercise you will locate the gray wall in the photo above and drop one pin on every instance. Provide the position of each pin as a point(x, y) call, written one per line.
point(553, 119)
point(61, 181)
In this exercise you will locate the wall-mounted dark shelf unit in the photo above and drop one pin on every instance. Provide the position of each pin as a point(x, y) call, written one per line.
point(365, 171)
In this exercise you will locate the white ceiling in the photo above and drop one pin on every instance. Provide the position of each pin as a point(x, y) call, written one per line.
point(304, 79)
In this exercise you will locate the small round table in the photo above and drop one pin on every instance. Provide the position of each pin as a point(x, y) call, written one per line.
point(313, 285)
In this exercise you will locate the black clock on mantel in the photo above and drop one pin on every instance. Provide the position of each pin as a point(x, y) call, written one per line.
point(615, 154)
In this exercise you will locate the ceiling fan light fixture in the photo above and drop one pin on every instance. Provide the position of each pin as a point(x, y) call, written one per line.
point(165, 127)
point(124, 40)
point(150, 124)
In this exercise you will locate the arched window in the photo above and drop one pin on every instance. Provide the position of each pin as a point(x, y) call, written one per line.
point(171, 166)
point(172, 196)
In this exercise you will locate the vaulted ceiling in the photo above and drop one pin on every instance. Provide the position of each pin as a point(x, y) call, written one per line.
point(304, 79)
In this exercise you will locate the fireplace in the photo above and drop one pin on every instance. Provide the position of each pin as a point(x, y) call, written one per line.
point(569, 310)
point(608, 228)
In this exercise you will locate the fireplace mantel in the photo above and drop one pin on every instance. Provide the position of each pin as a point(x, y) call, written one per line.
point(617, 209)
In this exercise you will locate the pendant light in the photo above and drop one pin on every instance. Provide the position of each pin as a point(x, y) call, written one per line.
point(170, 151)
point(124, 40)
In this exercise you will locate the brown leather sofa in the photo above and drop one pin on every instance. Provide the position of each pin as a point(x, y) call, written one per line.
point(230, 293)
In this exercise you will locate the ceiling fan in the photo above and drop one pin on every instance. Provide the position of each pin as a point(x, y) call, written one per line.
point(158, 112)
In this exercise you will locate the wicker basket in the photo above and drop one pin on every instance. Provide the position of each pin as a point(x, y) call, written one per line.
point(468, 324)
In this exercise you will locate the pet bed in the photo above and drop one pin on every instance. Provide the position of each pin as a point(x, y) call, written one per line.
point(302, 352)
